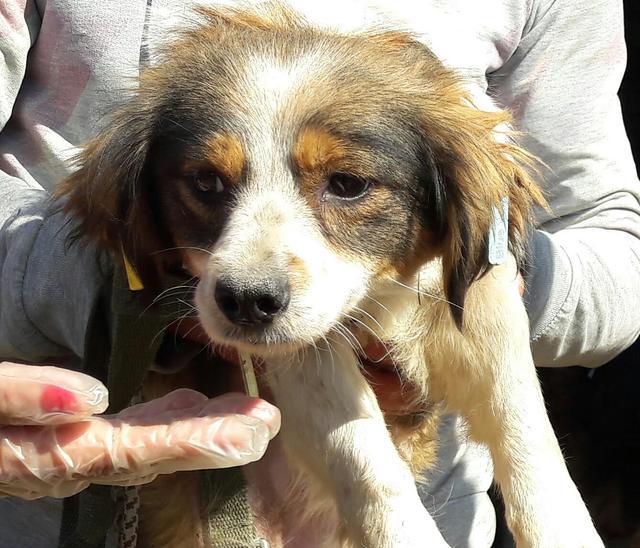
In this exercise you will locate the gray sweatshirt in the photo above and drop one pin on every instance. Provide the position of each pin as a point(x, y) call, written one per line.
point(556, 64)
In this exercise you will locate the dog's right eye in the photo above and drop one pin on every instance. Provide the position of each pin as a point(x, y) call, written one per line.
point(206, 181)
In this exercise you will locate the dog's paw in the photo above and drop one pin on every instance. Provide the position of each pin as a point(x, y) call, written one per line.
point(404, 524)
point(569, 538)
point(559, 527)
point(571, 532)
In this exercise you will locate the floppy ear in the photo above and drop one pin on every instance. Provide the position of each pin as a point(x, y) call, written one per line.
point(110, 195)
point(477, 164)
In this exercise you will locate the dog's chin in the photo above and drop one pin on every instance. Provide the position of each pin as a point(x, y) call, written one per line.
point(259, 341)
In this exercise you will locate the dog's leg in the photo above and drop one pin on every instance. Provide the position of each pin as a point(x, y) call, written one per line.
point(333, 427)
point(495, 386)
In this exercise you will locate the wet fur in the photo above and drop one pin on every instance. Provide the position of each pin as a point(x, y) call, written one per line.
point(411, 257)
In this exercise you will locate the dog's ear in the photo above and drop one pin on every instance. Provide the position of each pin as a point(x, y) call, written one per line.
point(109, 195)
point(475, 164)
point(470, 163)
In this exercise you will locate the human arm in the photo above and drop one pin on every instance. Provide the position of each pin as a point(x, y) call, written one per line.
point(47, 290)
point(561, 84)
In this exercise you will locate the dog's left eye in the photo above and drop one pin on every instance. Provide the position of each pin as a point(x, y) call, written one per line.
point(347, 187)
point(206, 181)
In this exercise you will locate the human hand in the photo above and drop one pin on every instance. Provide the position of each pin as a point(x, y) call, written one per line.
point(52, 444)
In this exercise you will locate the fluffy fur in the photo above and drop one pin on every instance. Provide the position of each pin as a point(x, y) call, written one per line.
point(247, 145)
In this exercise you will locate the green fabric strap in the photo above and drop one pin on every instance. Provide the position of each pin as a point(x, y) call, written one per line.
point(225, 498)
point(136, 335)
point(122, 341)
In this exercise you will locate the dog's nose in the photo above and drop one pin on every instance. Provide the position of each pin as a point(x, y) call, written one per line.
point(252, 305)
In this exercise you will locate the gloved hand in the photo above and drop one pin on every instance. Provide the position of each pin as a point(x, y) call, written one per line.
point(51, 444)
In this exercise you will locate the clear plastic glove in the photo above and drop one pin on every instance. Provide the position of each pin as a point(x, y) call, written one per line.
point(51, 444)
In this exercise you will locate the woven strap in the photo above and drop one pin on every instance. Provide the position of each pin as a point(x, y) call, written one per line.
point(230, 523)
point(129, 501)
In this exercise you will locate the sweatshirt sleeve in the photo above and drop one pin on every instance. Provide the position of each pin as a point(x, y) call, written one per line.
point(561, 83)
point(47, 290)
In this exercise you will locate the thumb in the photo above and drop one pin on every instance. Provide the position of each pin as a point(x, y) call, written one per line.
point(34, 394)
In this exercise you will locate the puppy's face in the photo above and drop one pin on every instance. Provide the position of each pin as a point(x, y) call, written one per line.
point(300, 185)
point(295, 170)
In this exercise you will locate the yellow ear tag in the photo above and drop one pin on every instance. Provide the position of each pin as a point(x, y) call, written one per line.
point(248, 375)
point(135, 283)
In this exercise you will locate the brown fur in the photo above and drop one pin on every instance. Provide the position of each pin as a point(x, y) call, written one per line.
point(316, 150)
point(225, 154)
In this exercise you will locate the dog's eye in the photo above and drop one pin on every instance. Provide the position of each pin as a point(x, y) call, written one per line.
point(347, 187)
point(206, 181)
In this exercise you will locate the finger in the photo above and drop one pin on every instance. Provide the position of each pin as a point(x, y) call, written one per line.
point(126, 480)
point(229, 430)
point(43, 394)
point(31, 465)
point(184, 403)
point(182, 398)
point(43, 459)
point(236, 403)
point(191, 444)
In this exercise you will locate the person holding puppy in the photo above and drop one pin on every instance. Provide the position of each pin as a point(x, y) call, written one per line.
point(63, 66)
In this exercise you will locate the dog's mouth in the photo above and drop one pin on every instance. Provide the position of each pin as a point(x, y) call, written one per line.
point(377, 365)
point(396, 396)
point(257, 341)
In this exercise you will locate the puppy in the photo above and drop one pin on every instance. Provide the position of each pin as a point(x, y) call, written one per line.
point(328, 190)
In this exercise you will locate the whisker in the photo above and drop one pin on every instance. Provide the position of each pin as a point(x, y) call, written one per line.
point(316, 351)
point(331, 356)
point(159, 333)
point(362, 311)
point(187, 247)
point(167, 293)
point(176, 321)
point(186, 335)
point(344, 331)
point(355, 350)
point(191, 306)
point(173, 295)
point(381, 306)
point(353, 318)
point(427, 294)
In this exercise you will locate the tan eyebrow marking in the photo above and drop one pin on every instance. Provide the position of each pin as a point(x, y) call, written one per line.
point(225, 152)
point(316, 148)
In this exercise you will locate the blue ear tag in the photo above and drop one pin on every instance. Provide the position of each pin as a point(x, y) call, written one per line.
point(498, 244)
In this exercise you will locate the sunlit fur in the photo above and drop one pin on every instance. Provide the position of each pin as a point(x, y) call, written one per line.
point(259, 109)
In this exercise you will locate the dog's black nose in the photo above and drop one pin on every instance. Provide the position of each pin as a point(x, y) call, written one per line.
point(252, 305)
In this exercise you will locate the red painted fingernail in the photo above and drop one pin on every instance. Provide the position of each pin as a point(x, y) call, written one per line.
point(55, 398)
